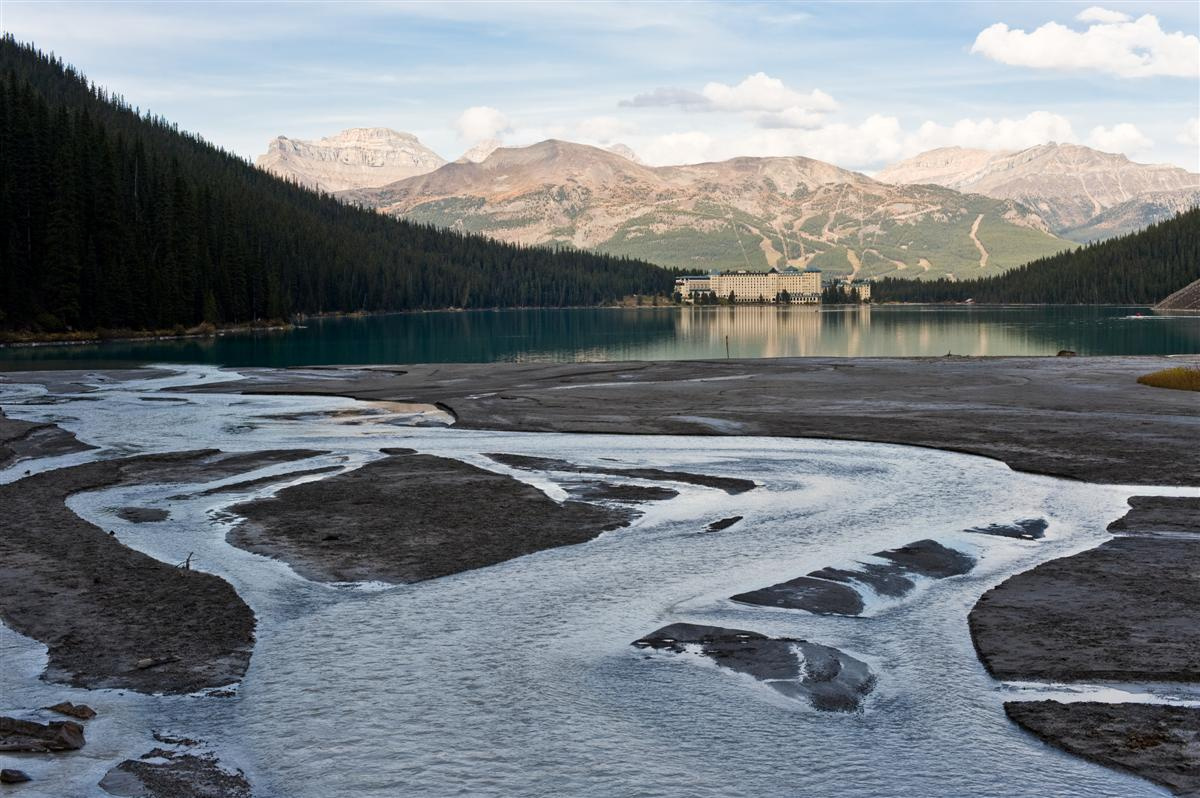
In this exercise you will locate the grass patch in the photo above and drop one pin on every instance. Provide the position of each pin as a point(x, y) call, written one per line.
point(1180, 378)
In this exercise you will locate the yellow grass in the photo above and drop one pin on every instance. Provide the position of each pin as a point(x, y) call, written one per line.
point(1183, 378)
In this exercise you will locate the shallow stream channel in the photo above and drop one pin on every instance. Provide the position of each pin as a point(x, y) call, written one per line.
point(520, 679)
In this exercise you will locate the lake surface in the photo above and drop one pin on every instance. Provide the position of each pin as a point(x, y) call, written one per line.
point(605, 334)
point(519, 679)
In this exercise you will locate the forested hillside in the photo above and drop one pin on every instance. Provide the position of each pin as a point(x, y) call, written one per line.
point(114, 219)
point(1138, 269)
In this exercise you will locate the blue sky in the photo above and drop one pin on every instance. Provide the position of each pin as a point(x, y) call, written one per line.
point(857, 84)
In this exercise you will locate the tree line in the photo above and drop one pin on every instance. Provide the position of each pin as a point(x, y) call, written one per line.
point(1140, 268)
point(114, 218)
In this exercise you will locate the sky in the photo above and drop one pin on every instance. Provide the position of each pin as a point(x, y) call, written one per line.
point(858, 84)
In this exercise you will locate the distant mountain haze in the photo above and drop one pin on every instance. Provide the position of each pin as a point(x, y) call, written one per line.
point(741, 213)
point(1082, 193)
point(354, 158)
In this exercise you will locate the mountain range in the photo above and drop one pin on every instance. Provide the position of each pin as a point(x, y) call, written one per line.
point(1082, 193)
point(363, 156)
point(951, 212)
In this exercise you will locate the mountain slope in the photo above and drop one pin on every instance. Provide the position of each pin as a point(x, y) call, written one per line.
point(741, 213)
point(354, 158)
point(109, 219)
point(1137, 269)
point(1082, 193)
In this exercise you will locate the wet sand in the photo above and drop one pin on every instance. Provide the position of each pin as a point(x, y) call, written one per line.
point(1081, 418)
point(411, 517)
point(112, 616)
point(1158, 743)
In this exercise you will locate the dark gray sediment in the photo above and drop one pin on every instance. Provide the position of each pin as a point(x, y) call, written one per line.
point(27, 440)
point(826, 677)
point(1125, 611)
point(410, 517)
point(1157, 742)
point(832, 591)
point(1024, 529)
point(1150, 514)
point(104, 609)
point(1085, 418)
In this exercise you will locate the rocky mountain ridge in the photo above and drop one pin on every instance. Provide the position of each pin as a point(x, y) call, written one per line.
point(354, 158)
point(1082, 193)
point(740, 213)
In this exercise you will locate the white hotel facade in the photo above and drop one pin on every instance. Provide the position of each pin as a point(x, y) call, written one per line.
point(802, 287)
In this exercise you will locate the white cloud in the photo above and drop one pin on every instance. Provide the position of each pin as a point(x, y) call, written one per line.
point(876, 140)
point(1098, 14)
point(1126, 48)
point(481, 122)
point(1034, 128)
point(761, 92)
point(1190, 134)
point(1124, 138)
point(773, 103)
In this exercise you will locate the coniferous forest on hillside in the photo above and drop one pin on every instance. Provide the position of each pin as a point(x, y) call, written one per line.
point(1141, 268)
point(116, 219)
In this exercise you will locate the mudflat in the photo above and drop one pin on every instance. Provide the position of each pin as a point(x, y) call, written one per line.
point(1081, 418)
point(410, 517)
point(112, 616)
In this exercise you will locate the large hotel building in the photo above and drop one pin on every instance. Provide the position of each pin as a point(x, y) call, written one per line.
point(802, 287)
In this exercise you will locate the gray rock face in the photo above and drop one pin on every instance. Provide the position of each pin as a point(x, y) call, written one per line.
point(825, 677)
point(355, 158)
point(33, 737)
point(831, 591)
point(1159, 743)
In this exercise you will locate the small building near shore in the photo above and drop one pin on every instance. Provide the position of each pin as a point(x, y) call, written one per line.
point(791, 285)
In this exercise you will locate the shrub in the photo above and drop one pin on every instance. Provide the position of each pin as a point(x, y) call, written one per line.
point(1183, 378)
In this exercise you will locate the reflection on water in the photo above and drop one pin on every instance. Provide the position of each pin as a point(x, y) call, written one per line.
point(597, 334)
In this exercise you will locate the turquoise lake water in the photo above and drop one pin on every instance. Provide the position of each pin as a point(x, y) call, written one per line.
point(601, 334)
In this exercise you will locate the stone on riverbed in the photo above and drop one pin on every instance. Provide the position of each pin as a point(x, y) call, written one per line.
point(13, 776)
point(1160, 743)
point(33, 737)
point(81, 711)
point(830, 591)
point(1025, 529)
point(827, 678)
point(175, 775)
point(142, 515)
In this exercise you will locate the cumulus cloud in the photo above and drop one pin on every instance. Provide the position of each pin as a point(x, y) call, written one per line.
point(1123, 138)
point(770, 100)
point(1112, 44)
point(881, 139)
point(761, 92)
point(1190, 134)
point(482, 122)
point(1034, 128)
point(1098, 14)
